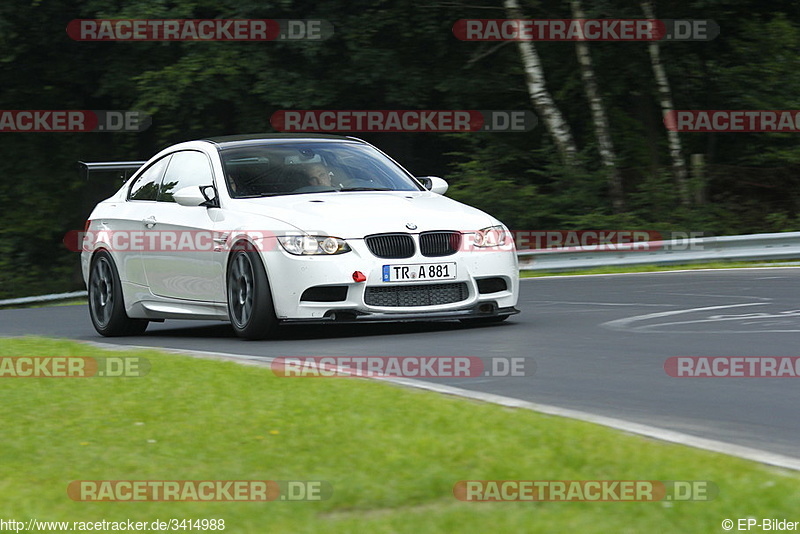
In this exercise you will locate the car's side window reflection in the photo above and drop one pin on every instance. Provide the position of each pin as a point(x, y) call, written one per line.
point(187, 168)
point(146, 185)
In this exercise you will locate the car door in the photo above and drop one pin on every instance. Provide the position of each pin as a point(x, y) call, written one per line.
point(124, 228)
point(184, 264)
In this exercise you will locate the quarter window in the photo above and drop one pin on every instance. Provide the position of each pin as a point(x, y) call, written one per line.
point(146, 185)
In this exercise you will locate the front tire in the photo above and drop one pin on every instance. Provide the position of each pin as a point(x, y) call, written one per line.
point(106, 305)
point(250, 307)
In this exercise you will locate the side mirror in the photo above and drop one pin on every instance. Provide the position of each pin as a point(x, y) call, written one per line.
point(434, 184)
point(204, 195)
point(209, 192)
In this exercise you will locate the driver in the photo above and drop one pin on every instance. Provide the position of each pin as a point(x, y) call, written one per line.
point(318, 174)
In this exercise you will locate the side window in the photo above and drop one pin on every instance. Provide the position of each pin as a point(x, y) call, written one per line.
point(188, 168)
point(146, 185)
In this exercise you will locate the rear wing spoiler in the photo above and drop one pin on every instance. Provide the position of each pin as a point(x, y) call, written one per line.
point(124, 169)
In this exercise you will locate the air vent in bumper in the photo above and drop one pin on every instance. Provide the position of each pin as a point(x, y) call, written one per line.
point(416, 295)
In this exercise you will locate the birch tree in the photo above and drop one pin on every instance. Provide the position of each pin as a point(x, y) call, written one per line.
point(665, 100)
point(542, 101)
point(602, 128)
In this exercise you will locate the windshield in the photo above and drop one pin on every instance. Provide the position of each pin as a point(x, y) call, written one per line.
point(310, 167)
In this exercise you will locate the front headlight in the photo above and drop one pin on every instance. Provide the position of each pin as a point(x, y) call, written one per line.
point(492, 236)
point(308, 245)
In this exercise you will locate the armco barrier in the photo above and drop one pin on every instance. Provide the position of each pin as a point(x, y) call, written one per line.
point(24, 301)
point(780, 246)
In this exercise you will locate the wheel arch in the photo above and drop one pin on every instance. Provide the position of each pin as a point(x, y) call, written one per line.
point(245, 242)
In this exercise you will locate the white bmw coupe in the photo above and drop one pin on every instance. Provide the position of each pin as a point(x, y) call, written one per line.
point(264, 230)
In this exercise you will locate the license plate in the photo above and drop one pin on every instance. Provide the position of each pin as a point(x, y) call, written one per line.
point(419, 271)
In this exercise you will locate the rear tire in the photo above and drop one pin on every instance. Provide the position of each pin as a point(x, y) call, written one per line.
point(106, 304)
point(250, 307)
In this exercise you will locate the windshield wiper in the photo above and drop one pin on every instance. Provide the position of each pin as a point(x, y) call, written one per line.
point(366, 189)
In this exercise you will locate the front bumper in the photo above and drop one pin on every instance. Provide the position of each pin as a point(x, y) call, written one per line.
point(481, 311)
point(290, 277)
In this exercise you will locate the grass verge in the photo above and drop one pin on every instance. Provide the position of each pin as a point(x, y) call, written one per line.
point(392, 455)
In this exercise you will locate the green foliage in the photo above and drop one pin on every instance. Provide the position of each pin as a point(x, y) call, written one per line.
point(782, 222)
point(401, 55)
point(484, 176)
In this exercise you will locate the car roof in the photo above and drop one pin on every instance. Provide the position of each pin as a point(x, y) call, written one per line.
point(228, 141)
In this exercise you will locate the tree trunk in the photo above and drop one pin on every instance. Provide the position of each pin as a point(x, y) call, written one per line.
point(665, 99)
point(602, 128)
point(542, 101)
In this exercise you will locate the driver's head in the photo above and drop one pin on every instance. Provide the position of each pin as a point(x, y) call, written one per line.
point(318, 174)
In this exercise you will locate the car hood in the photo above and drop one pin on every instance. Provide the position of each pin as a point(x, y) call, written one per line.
point(356, 214)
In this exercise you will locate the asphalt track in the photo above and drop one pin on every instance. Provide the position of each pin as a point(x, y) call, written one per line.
point(599, 344)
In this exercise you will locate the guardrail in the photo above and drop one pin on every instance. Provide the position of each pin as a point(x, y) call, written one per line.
point(54, 297)
point(779, 246)
point(754, 247)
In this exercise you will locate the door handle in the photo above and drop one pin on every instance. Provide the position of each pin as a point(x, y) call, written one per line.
point(149, 222)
